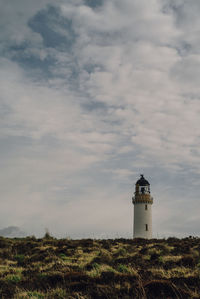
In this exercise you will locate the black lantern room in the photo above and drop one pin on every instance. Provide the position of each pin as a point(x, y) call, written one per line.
point(142, 185)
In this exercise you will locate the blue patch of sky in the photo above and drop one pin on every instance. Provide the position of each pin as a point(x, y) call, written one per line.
point(92, 67)
point(28, 61)
point(48, 140)
point(91, 106)
point(179, 184)
point(96, 176)
point(113, 37)
point(94, 3)
point(171, 6)
point(14, 145)
point(184, 48)
point(105, 175)
point(4, 110)
point(45, 23)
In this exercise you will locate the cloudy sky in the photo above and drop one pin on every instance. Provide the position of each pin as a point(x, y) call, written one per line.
point(93, 93)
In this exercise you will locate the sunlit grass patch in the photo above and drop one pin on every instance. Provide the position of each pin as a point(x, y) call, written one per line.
point(169, 258)
point(97, 269)
point(153, 250)
point(57, 293)
point(147, 257)
point(80, 261)
point(105, 256)
point(10, 270)
point(78, 252)
point(67, 259)
point(168, 248)
point(30, 294)
point(176, 272)
point(120, 252)
point(3, 269)
point(126, 269)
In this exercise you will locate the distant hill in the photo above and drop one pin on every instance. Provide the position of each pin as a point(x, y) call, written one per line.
point(12, 232)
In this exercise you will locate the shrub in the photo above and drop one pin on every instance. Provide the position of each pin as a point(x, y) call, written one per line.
point(95, 269)
point(121, 252)
point(96, 266)
point(13, 278)
point(105, 256)
point(35, 295)
point(47, 235)
point(147, 257)
point(20, 259)
point(123, 268)
point(57, 293)
point(62, 256)
point(187, 261)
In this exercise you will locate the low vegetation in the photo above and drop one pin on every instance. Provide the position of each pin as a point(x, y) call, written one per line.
point(86, 269)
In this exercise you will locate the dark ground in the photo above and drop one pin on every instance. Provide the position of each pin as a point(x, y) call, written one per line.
point(120, 268)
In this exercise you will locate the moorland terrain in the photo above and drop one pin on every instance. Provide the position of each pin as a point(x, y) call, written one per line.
point(86, 269)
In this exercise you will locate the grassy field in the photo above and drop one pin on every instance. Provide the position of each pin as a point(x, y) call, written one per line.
point(120, 268)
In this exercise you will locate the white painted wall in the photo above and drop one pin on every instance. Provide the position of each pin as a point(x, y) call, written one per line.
point(141, 218)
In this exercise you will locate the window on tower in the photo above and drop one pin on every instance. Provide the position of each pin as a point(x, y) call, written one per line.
point(144, 189)
point(146, 207)
point(146, 227)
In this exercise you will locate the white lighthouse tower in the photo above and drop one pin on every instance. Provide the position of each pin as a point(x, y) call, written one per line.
point(142, 209)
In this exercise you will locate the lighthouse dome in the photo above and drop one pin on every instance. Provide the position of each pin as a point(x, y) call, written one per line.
point(142, 181)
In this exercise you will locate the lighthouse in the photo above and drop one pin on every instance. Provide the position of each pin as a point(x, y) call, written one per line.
point(142, 202)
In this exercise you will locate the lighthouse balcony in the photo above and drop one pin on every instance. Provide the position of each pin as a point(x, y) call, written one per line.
point(144, 198)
